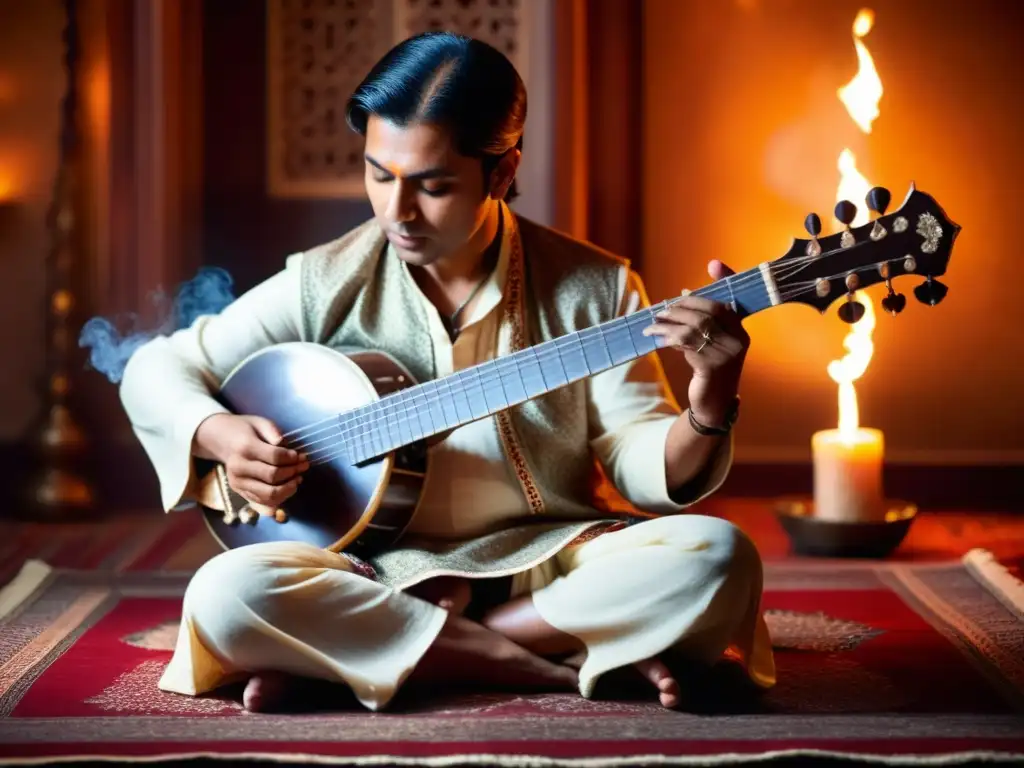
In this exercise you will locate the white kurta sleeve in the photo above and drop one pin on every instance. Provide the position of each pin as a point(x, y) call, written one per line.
point(631, 411)
point(167, 383)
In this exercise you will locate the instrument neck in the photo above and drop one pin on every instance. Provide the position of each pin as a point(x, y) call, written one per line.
point(482, 390)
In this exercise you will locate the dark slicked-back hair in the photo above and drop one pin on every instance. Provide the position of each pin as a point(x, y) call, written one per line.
point(459, 82)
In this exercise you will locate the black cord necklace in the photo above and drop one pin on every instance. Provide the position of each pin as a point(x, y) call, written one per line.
point(491, 259)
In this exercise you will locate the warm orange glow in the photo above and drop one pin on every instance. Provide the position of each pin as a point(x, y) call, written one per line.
point(6, 186)
point(861, 96)
point(7, 89)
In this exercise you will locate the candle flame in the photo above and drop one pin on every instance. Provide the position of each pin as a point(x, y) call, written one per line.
point(859, 349)
point(860, 96)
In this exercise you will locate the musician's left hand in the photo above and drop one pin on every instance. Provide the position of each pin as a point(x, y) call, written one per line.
point(712, 338)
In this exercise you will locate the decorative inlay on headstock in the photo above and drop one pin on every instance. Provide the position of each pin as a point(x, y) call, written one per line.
point(929, 228)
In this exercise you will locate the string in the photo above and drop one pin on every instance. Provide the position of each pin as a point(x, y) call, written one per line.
point(406, 415)
point(332, 423)
point(340, 430)
point(343, 427)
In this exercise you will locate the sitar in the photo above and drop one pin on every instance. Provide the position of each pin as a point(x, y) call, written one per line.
point(365, 422)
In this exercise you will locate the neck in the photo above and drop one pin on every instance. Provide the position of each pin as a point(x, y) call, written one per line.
point(472, 261)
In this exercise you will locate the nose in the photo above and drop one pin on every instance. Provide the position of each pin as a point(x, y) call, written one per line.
point(401, 205)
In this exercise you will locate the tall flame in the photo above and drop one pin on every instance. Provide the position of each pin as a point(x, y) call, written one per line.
point(860, 96)
point(859, 349)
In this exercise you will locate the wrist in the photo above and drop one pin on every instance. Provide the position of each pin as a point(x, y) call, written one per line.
point(206, 441)
point(714, 418)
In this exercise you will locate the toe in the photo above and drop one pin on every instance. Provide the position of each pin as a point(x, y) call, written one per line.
point(654, 670)
point(264, 692)
point(661, 678)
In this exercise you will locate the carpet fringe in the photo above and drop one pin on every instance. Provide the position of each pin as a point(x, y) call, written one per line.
point(21, 587)
point(538, 761)
point(996, 578)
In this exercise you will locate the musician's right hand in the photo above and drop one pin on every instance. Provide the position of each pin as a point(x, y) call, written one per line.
point(258, 468)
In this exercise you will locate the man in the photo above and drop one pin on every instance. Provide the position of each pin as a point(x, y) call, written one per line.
point(445, 276)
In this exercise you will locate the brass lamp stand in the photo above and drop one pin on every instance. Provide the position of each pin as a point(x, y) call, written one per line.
point(59, 490)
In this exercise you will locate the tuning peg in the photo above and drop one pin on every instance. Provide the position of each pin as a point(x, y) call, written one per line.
point(813, 226)
point(931, 291)
point(878, 199)
point(846, 212)
point(894, 303)
point(852, 310)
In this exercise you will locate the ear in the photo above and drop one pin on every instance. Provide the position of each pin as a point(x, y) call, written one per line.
point(504, 173)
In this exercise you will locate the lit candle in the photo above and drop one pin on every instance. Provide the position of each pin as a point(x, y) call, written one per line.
point(848, 475)
point(848, 460)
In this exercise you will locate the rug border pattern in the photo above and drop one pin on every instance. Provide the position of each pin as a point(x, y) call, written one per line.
point(968, 627)
point(966, 630)
point(522, 760)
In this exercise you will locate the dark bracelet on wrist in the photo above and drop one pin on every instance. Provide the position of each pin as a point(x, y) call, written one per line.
point(707, 430)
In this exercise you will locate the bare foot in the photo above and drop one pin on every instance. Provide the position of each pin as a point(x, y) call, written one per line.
point(467, 652)
point(464, 653)
point(660, 676)
point(652, 670)
point(267, 691)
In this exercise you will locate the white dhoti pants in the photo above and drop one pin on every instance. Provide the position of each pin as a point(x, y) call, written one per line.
point(687, 583)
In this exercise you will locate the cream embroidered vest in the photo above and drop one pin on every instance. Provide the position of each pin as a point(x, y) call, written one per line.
point(354, 288)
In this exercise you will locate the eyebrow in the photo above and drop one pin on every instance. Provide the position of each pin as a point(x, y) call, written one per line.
point(429, 173)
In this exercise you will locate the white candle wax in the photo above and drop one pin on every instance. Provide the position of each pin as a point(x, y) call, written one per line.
point(848, 475)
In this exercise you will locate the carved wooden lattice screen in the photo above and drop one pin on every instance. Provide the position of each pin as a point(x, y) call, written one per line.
point(317, 53)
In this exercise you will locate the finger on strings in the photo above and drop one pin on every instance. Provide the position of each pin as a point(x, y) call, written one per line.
point(682, 315)
point(719, 270)
point(681, 336)
point(701, 304)
point(324, 439)
point(277, 475)
point(273, 454)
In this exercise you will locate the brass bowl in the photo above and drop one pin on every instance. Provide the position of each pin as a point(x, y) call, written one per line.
point(826, 538)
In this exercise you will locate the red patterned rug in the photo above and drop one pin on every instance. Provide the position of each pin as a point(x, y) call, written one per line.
point(884, 662)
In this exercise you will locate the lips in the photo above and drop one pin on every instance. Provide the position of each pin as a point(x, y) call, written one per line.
point(406, 241)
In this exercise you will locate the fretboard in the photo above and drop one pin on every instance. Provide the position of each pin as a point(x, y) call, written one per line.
point(485, 389)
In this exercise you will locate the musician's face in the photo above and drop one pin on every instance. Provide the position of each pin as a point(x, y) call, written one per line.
point(431, 201)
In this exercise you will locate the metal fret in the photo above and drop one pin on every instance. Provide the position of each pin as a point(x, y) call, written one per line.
point(642, 344)
point(551, 365)
point(595, 350)
point(511, 379)
point(574, 361)
point(620, 345)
